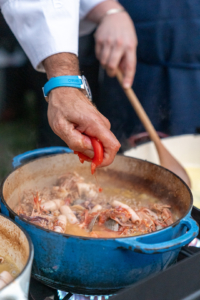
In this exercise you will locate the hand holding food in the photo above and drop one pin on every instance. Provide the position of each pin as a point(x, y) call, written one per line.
point(73, 117)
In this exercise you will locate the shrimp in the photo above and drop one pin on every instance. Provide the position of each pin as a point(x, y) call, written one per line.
point(160, 207)
point(150, 213)
point(167, 216)
point(134, 217)
point(149, 222)
point(37, 202)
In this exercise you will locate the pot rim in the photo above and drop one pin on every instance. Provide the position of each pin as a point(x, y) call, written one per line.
point(31, 250)
point(92, 238)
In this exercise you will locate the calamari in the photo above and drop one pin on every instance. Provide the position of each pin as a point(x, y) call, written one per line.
point(66, 211)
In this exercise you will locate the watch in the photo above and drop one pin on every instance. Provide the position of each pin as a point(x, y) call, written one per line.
point(79, 82)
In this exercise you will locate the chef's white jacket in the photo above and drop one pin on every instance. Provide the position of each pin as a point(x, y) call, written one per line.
point(47, 27)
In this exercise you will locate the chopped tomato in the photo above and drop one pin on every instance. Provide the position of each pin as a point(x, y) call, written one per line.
point(82, 157)
point(98, 154)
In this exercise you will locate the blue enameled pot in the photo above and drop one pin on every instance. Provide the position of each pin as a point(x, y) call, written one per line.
point(99, 266)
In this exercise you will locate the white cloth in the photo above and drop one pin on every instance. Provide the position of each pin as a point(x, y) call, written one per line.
point(47, 27)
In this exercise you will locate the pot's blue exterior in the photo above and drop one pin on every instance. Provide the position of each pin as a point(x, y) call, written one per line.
point(103, 266)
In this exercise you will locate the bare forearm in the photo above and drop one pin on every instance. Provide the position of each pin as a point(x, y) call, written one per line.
point(71, 114)
point(115, 40)
point(61, 64)
point(99, 11)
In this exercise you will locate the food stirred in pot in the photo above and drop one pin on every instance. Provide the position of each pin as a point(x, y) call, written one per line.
point(74, 206)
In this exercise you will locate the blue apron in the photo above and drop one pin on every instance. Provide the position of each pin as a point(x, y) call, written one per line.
point(167, 80)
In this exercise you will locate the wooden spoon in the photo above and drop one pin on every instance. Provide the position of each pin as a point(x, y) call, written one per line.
point(166, 158)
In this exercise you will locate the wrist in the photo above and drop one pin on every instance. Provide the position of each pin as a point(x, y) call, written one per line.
point(98, 13)
point(61, 64)
point(79, 82)
point(112, 11)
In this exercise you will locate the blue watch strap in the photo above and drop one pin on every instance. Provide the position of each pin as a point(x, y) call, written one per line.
point(54, 82)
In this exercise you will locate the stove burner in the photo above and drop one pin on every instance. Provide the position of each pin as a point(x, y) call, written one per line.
point(69, 296)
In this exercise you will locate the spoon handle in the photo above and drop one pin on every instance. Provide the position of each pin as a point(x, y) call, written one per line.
point(140, 111)
point(166, 158)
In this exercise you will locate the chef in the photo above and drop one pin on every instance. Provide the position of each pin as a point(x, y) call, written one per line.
point(48, 31)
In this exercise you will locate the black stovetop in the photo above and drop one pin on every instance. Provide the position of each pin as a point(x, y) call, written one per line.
point(179, 282)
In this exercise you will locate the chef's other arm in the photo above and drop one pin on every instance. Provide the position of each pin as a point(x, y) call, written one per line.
point(116, 40)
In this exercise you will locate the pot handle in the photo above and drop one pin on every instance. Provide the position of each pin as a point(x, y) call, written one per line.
point(139, 245)
point(29, 155)
point(143, 137)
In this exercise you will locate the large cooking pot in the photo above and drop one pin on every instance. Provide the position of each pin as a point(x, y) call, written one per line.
point(16, 244)
point(100, 266)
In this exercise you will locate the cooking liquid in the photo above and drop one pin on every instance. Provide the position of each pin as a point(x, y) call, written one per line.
point(119, 190)
point(131, 198)
point(9, 266)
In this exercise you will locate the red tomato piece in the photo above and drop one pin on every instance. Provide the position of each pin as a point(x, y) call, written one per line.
point(98, 154)
point(82, 157)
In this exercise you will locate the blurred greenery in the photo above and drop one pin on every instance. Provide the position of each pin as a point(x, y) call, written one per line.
point(15, 137)
point(18, 136)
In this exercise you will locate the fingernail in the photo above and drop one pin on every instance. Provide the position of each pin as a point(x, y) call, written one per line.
point(89, 153)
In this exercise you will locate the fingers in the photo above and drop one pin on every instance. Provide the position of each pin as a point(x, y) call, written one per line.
point(73, 119)
point(73, 138)
point(111, 147)
point(110, 143)
point(95, 127)
point(104, 54)
point(129, 67)
point(116, 44)
point(81, 142)
point(109, 54)
point(114, 59)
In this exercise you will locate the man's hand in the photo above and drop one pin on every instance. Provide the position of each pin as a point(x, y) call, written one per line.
point(116, 41)
point(72, 116)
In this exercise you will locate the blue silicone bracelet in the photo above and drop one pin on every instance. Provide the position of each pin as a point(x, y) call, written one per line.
point(54, 82)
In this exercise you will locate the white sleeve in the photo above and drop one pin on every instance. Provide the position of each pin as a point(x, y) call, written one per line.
point(86, 6)
point(43, 27)
point(85, 26)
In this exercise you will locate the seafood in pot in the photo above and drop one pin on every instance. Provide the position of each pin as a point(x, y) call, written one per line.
point(76, 207)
